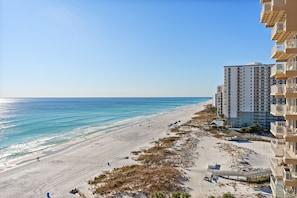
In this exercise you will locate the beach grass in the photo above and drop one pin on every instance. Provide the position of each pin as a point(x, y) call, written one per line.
point(159, 168)
point(160, 165)
point(145, 178)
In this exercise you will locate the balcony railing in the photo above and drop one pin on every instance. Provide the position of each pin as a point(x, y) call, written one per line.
point(278, 2)
point(291, 43)
point(266, 7)
point(278, 109)
point(290, 131)
point(278, 146)
point(289, 155)
point(279, 26)
point(289, 192)
point(288, 174)
point(276, 166)
point(273, 185)
point(291, 65)
point(278, 47)
point(278, 129)
point(277, 69)
point(291, 88)
point(291, 110)
point(290, 134)
point(278, 89)
point(277, 187)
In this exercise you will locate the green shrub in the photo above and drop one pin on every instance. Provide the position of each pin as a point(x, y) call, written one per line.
point(228, 195)
point(158, 195)
point(186, 195)
point(176, 195)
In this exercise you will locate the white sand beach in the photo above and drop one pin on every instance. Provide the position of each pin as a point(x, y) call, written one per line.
point(73, 164)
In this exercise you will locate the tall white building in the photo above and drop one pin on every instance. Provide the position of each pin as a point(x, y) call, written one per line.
point(214, 100)
point(220, 100)
point(247, 96)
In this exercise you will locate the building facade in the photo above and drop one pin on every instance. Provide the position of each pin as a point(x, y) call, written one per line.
point(247, 96)
point(281, 16)
point(220, 100)
point(214, 100)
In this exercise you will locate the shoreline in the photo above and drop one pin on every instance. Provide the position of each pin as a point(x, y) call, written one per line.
point(71, 167)
point(30, 157)
point(74, 165)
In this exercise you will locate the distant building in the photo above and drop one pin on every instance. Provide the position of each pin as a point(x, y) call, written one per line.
point(220, 100)
point(247, 96)
point(214, 100)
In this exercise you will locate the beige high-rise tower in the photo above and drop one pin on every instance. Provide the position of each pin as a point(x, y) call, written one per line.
point(281, 16)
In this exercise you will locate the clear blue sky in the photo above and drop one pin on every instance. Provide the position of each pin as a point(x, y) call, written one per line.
point(95, 48)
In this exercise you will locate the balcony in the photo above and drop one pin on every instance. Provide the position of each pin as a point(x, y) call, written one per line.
point(278, 128)
point(289, 156)
point(289, 192)
point(291, 91)
point(291, 46)
point(277, 187)
point(266, 12)
point(289, 177)
point(290, 134)
point(284, 51)
point(279, 32)
point(278, 52)
point(273, 12)
point(278, 72)
point(283, 71)
point(276, 166)
point(291, 68)
point(291, 112)
point(278, 109)
point(277, 146)
point(278, 4)
point(278, 90)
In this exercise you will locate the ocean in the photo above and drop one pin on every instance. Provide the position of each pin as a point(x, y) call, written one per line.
point(33, 124)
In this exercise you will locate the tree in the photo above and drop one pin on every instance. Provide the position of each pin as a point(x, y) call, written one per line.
point(222, 115)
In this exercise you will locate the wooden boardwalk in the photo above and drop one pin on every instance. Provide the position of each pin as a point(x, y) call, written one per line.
point(256, 175)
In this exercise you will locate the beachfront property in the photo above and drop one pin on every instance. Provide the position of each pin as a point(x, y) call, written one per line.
point(281, 16)
point(246, 97)
point(214, 100)
point(220, 100)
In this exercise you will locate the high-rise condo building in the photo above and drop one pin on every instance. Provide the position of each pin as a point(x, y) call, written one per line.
point(220, 100)
point(281, 16)
point(247, 96)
